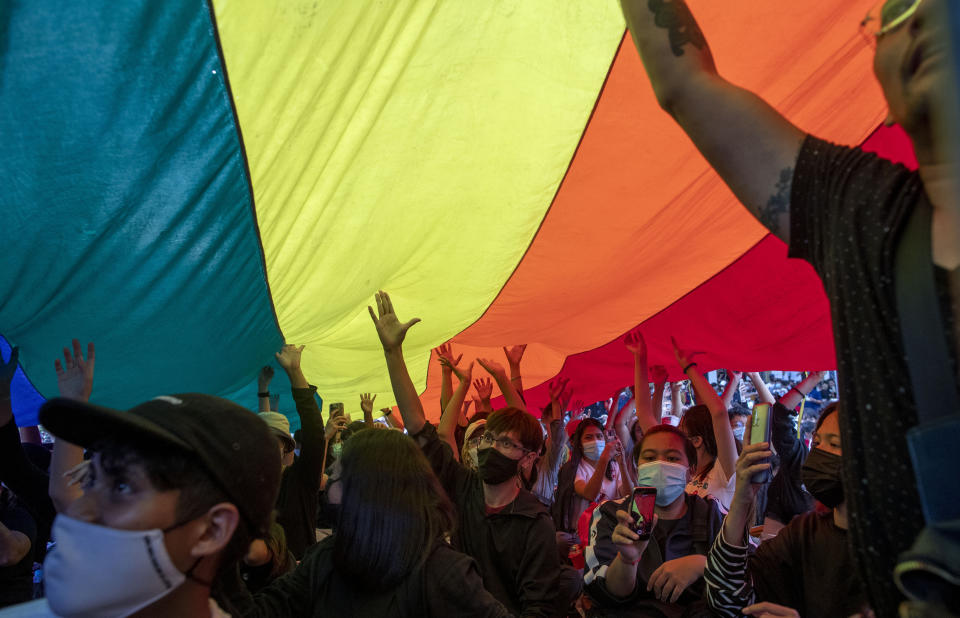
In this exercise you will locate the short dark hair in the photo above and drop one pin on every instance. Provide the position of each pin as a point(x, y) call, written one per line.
point(170, 468)
point(738, 409)
point(688, 447)
point(523, 423)
point(396, 509)
point(827, 410)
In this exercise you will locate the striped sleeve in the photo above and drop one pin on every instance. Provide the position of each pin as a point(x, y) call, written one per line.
point(729, 588)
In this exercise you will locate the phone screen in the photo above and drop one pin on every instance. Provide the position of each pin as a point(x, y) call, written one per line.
point(642, 502)
point(760, 432)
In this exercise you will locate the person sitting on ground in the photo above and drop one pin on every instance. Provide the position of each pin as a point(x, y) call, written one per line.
point(504, 527)
point(387, 555)
point(300, 485)
point(807, 569)
point(659, 576)
point(176, 489)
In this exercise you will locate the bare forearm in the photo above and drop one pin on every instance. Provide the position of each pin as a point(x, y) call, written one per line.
point(297, 379)
point(640, 389)
point(30, 435)
point(733, 383)
point(658, 401)
point(510, 394)
point(762, 391)
point(448, 420)
point(411, 410)
point(591, 489)
point(793, 396)
point(14, 545)
point(516, 379)
point(735, 524)
point(446, 387)
point(621, 578)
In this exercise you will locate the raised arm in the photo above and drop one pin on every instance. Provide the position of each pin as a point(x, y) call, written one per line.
point(722, 432)
point(392, 333)
point(74, 381)
point(589, 489)
point(446, 376)
point(484, 389)
point(659, 376)
point(751, 146)
point(795, 395)
point(641, 385)
point(447, 427)
point(733, 383)
point(366, 404)
point(514, 354)
point(763, 393)
point(499, 375)
point(263, 388)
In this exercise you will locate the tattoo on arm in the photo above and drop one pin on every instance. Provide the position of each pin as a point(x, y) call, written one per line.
point(779, 203)
point(675, 16)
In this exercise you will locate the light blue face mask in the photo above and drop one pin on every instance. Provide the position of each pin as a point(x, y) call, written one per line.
point(739, 431)
point(593, 450)
point(670, 479)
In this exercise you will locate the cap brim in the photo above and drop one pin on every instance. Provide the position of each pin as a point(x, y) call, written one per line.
point(284, 436)
point(85, 424)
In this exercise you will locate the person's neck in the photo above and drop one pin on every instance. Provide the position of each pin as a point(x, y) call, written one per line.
point(496, 496)
point(705, 458)
point(840, 516)
point(190, 600)
point(674, 510)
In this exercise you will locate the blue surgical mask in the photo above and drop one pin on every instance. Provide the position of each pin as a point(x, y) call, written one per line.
point(593, 450)
point(670, 479)
point(738, 432)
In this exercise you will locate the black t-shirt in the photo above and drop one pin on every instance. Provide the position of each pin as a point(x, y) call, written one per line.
point(847, 210)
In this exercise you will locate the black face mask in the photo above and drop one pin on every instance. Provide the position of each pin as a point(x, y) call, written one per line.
point(495, 467)
point(821, 476)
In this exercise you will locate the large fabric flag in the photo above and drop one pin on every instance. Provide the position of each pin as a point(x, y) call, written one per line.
point(191, 183)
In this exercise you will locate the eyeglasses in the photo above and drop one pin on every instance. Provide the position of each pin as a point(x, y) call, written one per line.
point(505, 444)
point(474, 441)
point(886, 16)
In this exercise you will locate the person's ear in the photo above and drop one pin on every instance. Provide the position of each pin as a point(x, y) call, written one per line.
point(220, 523)
point(696, 441)
point(528, 459)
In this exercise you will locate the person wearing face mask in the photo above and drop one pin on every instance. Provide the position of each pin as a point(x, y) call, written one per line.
point(660, 575)
point(501, 525)
point(471, 444)
point(807, 569)
point(174, 492)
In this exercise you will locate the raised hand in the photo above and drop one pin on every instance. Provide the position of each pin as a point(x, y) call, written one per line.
point(635, 343)
point(492, 367)
point(264, 377)
point(750, 462)
point(289, 357)
point(366, 402)
point(514, 354)
point(684, 357)
point(658, 373)
point(391, 331)
point(484, 388)
point(557, 388)
point(464, 375)
point(336, 424)
point(445, 352)
point(628, 542)
point(75, 375)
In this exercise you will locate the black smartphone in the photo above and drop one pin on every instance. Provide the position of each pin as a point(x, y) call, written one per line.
point(760, 432)
point(336, 409)
point(642, 501)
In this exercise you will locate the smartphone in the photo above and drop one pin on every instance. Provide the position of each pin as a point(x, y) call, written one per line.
point(760, 432)
point(336, 409)
point(642, 501)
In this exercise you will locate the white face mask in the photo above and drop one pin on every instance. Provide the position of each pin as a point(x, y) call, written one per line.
point(104, 572)
point(669, 478)
point(593, 450)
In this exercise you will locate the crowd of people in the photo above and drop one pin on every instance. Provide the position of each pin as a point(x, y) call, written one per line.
point(701, 499)
point(197, 506)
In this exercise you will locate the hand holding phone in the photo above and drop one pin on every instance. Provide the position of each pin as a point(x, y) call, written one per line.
point(642, 502)
point(760, 432)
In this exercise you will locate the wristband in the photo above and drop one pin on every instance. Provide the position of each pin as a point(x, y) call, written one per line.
point(625, 561)
point(263, 394)
point(801, 393)
point(689, 366)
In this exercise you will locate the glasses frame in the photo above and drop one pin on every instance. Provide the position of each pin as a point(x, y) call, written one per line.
point(504, 442)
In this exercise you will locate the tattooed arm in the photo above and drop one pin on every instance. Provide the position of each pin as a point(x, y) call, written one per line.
point(747, 141)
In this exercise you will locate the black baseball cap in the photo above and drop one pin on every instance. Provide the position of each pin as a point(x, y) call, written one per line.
point(234, 446)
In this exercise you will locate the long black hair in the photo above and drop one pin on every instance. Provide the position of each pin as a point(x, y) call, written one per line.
point(697, 422)
point(393, 511)
point(562, 509)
